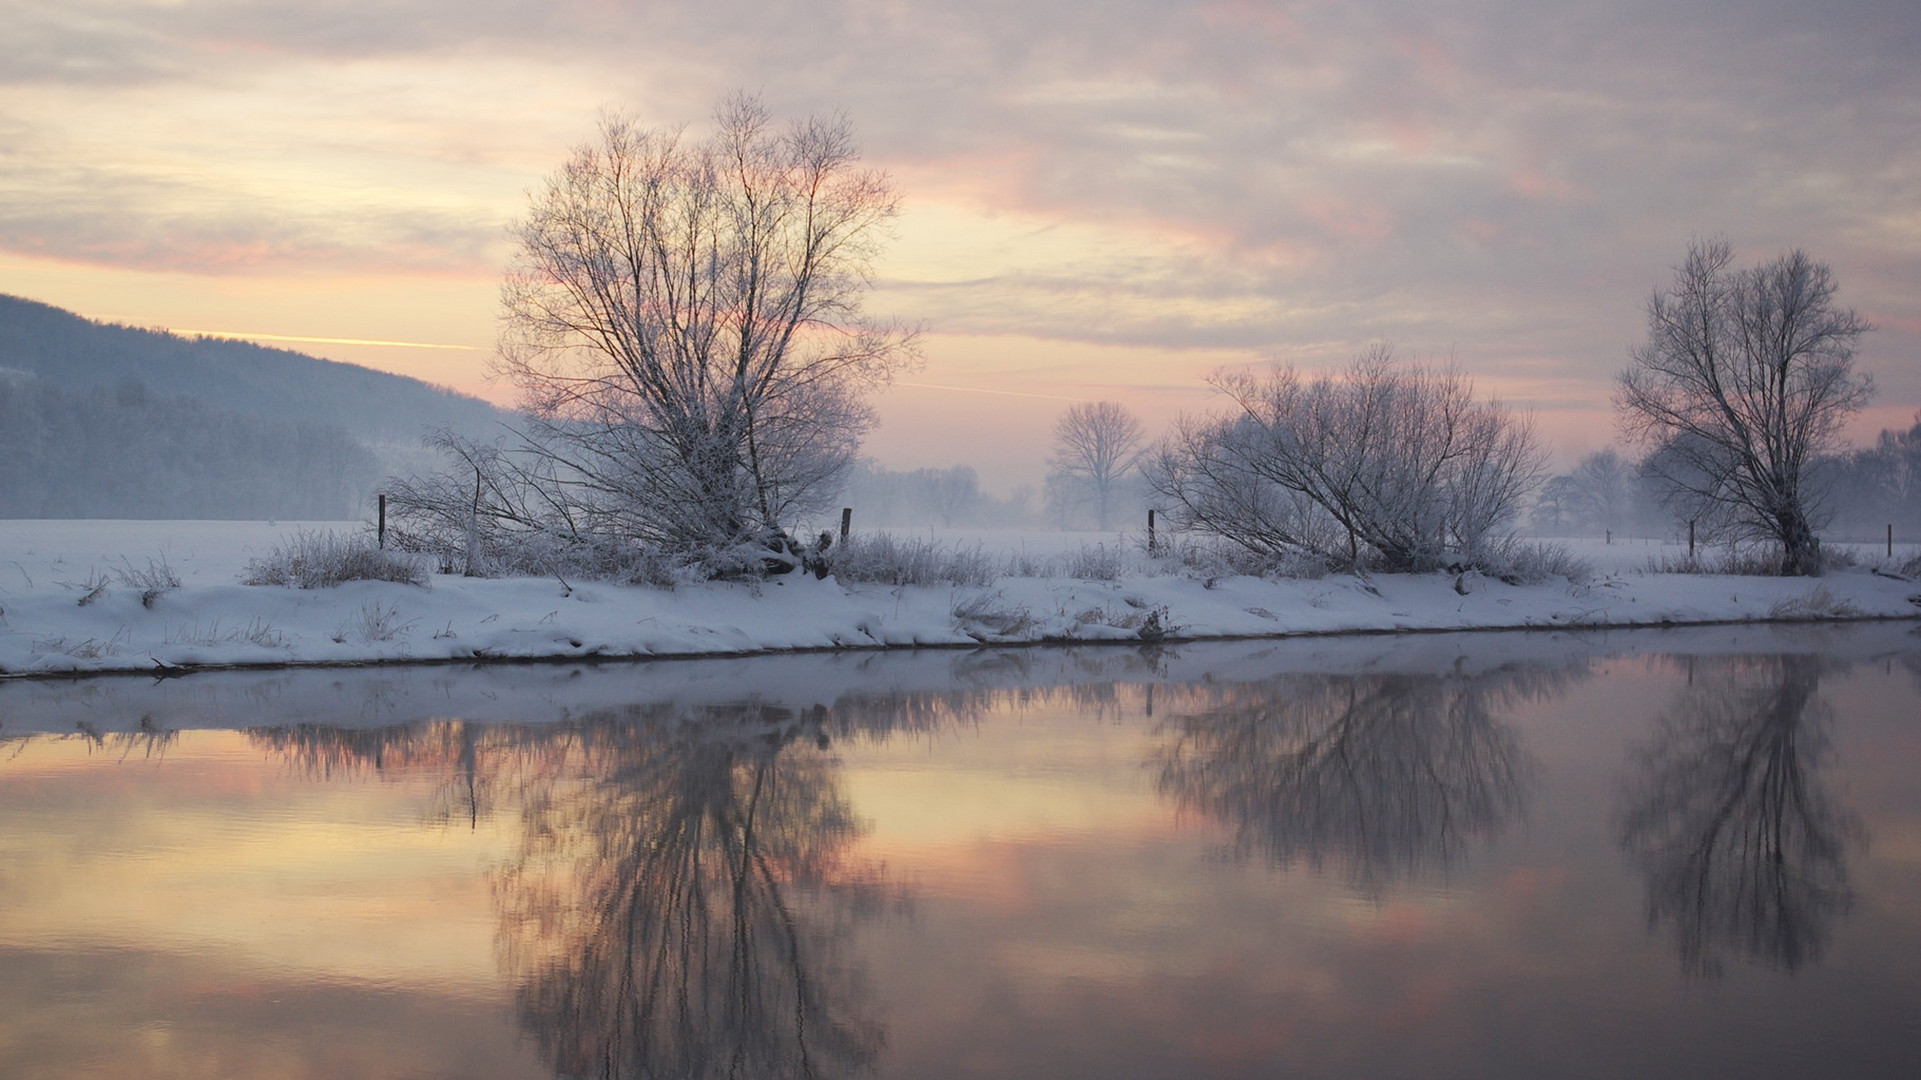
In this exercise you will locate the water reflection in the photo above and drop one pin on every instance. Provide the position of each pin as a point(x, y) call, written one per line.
point(680, 901)
point(1391, 775)
point(1727, 818)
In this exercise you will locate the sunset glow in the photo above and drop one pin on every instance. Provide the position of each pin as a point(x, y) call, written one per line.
point(1186, 186)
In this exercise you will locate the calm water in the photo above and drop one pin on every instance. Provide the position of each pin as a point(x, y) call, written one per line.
point(1634, 855)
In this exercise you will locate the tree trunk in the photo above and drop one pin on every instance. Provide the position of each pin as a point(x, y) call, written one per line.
point(1800, 548)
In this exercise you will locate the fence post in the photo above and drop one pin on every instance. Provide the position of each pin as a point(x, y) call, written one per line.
point(846, 522)
point(1150, 532)
point(1890, 539)
point(1690, 539)
point(383, 522)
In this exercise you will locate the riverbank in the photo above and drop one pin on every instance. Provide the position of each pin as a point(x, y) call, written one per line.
point(211, 621)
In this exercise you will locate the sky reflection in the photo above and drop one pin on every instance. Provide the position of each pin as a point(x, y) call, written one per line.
point(1398, 870)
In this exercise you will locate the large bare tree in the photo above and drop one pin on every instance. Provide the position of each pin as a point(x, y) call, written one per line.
point(684, 321)
point(1096, 444)
point(1746, 377)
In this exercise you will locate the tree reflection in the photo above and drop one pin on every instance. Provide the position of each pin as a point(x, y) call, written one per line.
point(1390, 774)
point(1727, 818)
point(680, 899)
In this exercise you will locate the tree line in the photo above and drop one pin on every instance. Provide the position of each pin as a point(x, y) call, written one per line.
point(684, 321)
point(126, 452)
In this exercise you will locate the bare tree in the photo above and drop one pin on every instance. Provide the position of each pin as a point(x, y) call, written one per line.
point(683, 320)
point(1746, 376)
point(1096, 444)
point(1395, 462)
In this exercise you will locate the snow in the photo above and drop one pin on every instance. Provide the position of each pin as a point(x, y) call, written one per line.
point(212, 619)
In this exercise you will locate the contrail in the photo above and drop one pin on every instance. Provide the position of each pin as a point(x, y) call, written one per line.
point(241, 335)
point(982, 390)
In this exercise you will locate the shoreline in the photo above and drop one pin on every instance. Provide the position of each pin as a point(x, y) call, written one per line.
point(72, 606)
point(167, 671)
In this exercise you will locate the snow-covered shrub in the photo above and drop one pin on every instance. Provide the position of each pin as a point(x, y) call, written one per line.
point(1096, 562)
point(1746, 560)
point(373, 623)
point(1388, 465)
point(1530, 564)
point(889, 560)
point(320, 560)
point(1198, 555)
point(157, 580)
point(988, 614)
point(1818, 603)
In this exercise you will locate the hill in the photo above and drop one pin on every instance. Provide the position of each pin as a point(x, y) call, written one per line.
point(231, 376)
point(98, 420)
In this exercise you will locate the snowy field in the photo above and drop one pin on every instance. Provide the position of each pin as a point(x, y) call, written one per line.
point(48, 567)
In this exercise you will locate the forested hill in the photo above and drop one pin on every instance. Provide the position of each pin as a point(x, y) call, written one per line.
point(115, 422)
point(76, 354)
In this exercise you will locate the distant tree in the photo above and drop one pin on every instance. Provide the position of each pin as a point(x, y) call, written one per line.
point(683, 320)
point(1746, 377)
point(1553, 513)
point(1096, 445)
point(1603, 493)
point(1880, 485)
point(952, 493)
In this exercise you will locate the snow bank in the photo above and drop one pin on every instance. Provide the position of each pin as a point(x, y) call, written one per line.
point(47, 568)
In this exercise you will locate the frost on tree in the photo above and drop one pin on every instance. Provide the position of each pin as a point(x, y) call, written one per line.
point(683, 321)
point(1744, 380)
point(1390, 464)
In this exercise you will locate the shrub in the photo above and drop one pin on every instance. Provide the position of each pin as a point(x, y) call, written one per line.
point(889, 560)
point(1529, 564)
point(321, 560)
point(155, 581)
point(1095, 563)
point(1746, 560)
point(1392, 465)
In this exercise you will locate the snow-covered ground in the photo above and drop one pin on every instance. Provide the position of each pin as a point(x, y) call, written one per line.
point(47, 567)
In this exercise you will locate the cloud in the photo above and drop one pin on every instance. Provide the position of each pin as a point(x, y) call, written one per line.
point(1502, 177)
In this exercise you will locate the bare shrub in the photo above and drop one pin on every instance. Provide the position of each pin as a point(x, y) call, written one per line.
point(1392, 465)
point(1818, 603)
point(1203, 556)
point(889, 560)
point(155, 581)
point(92, 588)
point(1532, 563)
point(322, 560)
point(1096, 562)
point(1747, 560)
point(260, 632)
point(987, 614)
point(86, 648)
point(374, 622)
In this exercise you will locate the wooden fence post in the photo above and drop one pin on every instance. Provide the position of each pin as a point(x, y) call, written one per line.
point(383, 522)
point(1150, 532)
point(846, 522)
point(1690, 538)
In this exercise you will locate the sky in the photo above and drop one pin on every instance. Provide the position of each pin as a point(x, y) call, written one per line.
point(1101, 201)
